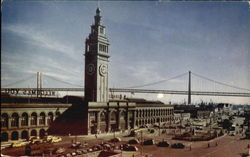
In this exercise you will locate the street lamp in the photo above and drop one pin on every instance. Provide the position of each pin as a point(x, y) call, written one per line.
point(141, 142)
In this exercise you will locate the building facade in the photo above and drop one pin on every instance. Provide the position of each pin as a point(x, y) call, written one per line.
point(22, 120)
point(109, 115)
point(94, 114)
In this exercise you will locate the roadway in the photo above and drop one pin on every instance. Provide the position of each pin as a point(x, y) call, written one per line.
point(132, 90)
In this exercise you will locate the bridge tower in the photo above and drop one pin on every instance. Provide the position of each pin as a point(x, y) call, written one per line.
point(189, 88)
point(96, 63)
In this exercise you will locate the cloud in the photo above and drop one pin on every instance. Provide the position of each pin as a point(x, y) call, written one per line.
point(40, 38)
point(61, 65)
point(20, 66)
point(138, 73)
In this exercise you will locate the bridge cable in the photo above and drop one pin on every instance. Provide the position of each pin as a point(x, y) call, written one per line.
point(53, 78)
point(221, 83)
point(19, 81)
point(157, 82)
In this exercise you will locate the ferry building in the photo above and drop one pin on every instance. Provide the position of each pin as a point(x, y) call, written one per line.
point(96, 113)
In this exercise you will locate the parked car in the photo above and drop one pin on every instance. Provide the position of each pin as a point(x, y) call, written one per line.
point(19, 144)
point(52, 139)
point(149, 142)
point(133, 141)
point(76, 145)
point(116, 139)
point(90, 150)
point(79, 152)
point(178, 145)
point(68, 155)
point(56, 139)
point(131, 148)
point(33, 137)
point(59, 150)
point(163, 144)
point(97, 147)
point(84, 151)
point(124, 146)
point(35, 140)
point(73, 153)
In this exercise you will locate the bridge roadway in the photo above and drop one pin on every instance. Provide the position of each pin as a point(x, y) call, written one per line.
point(124, 90)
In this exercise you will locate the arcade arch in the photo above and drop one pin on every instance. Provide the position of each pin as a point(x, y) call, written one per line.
point(14, 120)
point(14, 135)
point(24, 134)
point(4, 120)
point(24, 119)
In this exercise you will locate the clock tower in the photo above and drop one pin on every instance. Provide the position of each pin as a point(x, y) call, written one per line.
point(96, 63)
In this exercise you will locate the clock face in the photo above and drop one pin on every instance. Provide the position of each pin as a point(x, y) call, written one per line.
point(103, 69)
point(90, 69)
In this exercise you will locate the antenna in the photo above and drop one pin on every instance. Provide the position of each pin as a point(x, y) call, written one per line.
point(98, 3)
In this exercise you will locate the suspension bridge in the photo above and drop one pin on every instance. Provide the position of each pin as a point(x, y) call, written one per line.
point(143, 88)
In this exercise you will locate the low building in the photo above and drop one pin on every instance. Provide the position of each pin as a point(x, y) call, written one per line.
point(22, 117)
point(182, 118)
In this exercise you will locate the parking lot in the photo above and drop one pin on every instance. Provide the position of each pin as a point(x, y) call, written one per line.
point(230, 146)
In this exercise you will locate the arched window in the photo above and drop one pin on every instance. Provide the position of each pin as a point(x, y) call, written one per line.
point(24, 134)
point(33, 120)
point(4, 137)
point(112, 116)
point(4, 120)
point(41, 133)
point(24, 119)
point(14, 120)
point(14, 135)
point(102, 117)
point(33, 133)
point(42, 118)
point(122, 116)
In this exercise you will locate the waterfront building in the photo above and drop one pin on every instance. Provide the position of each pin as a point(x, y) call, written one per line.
point(22, 117)
point(93, 114)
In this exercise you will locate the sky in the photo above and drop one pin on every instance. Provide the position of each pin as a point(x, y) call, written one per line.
point(150, 41)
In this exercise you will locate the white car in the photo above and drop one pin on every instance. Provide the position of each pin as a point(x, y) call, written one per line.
point(19, 144)
point(52, 139)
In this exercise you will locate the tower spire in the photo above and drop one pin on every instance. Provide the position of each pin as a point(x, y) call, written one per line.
point(97, 16)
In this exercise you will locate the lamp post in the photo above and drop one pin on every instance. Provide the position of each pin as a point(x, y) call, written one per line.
point(141, 142)
point(159, 128)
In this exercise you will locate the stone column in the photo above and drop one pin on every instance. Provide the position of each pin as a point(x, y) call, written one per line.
point(98, 122)
point(46, 120)
point(8, 122)
point(19, 122)
point(134, 119)
point(88, 124)
point(108, 121)
point(37, 122)
point(118, 122)
point(9, 135)
point(28, 120)
point(127, 120)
